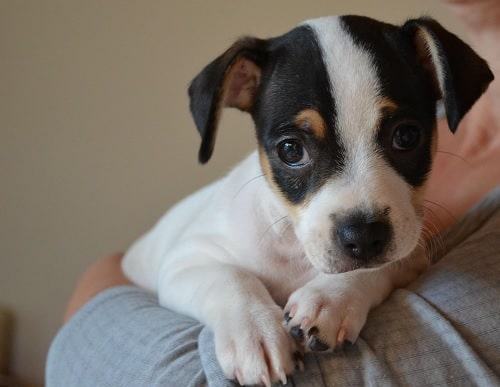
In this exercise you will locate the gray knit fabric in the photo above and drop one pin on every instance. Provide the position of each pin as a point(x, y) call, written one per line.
point(444, 330)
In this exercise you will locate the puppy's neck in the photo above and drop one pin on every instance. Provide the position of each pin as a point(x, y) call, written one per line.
point(254, 198)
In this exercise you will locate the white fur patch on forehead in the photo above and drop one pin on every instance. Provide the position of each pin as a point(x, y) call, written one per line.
point(353, 79)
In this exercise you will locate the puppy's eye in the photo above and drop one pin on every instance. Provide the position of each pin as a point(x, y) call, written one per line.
point(406, 137)
point(293, 153)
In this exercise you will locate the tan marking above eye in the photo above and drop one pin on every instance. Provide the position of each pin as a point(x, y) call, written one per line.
point(310, 120)
point(418, 198)
point(388, 104)
point(387, 108)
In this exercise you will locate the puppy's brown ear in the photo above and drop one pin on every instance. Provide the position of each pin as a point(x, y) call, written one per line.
point(231, 80)
point(460, 75)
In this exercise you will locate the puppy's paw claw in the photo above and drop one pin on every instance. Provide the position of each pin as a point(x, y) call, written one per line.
point(298, 334)
point(282, 376)
point(238, 376)
point(322, 319)
point(314, 343)
point(255, 348)
point(264, 379)
point(298, 358)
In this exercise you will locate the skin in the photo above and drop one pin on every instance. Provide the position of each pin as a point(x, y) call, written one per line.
point(465, 169)
point(466, 165)
point(103, 274)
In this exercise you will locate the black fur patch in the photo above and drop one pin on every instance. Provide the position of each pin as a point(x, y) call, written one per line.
point(404, 82)
point(296, 79)
point(292, 76)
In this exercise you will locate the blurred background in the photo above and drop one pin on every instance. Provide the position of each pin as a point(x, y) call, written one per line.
point(96, 140)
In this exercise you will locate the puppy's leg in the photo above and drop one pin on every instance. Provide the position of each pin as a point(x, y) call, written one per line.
point(251, 343)
point(331, 309)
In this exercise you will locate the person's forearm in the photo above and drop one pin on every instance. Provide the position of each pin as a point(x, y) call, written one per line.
point(104, 274)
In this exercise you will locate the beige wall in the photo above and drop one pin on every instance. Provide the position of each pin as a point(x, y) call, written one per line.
point(95, 136)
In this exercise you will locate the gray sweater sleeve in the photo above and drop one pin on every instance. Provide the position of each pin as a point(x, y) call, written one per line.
point(123, 338)
point(443, 330)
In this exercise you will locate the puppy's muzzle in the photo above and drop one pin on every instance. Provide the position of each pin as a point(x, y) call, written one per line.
point(363, 239)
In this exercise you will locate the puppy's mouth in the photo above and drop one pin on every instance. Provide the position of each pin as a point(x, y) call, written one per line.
point(349, 264)
point(360, 239)
point(341, 259)
point(334, 260)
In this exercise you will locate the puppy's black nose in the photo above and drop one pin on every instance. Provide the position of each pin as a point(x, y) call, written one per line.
point(363, 240)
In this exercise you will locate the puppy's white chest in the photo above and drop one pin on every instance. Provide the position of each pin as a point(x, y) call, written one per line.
point(285, 279)
point(282, 266)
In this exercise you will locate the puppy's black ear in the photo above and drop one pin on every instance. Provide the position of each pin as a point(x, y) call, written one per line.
point(460, 75)
point(231, 80)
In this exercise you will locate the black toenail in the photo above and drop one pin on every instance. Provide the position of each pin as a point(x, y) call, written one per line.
point(297, 333)
point(298, 356)
point(317, 345)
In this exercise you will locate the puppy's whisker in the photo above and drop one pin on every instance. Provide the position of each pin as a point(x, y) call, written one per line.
point(432, 240)
point(427, 242)
point(431, 212)
point(272, 225)
point(441, 207)
point(435, 245)
point(286, 228)
point(454, 155)
point(431, 234)
point(246, 184)
point(435, 248)
point(433, 219)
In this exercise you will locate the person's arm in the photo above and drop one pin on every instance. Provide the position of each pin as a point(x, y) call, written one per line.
point(117, 335)
point(441, 330)
point(103, 274)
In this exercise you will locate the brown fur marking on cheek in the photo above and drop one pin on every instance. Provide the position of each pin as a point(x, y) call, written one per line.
point(266, 169)
point(311, 120)
point(293, 210)
point(417, 199)
point(418, 194)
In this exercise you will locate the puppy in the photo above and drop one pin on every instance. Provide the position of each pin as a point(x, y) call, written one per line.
point(298, 242)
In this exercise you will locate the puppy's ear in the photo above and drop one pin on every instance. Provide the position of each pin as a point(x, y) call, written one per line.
point(459, 74)
point(231, 80)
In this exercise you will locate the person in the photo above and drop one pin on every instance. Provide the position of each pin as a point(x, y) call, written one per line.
point(467, 160)
point(443, 329)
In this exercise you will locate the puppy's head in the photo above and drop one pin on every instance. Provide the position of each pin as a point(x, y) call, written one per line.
point(345, 115)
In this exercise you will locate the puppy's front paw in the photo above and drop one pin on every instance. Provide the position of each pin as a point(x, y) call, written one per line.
point(253, 347)
point(322, 316)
